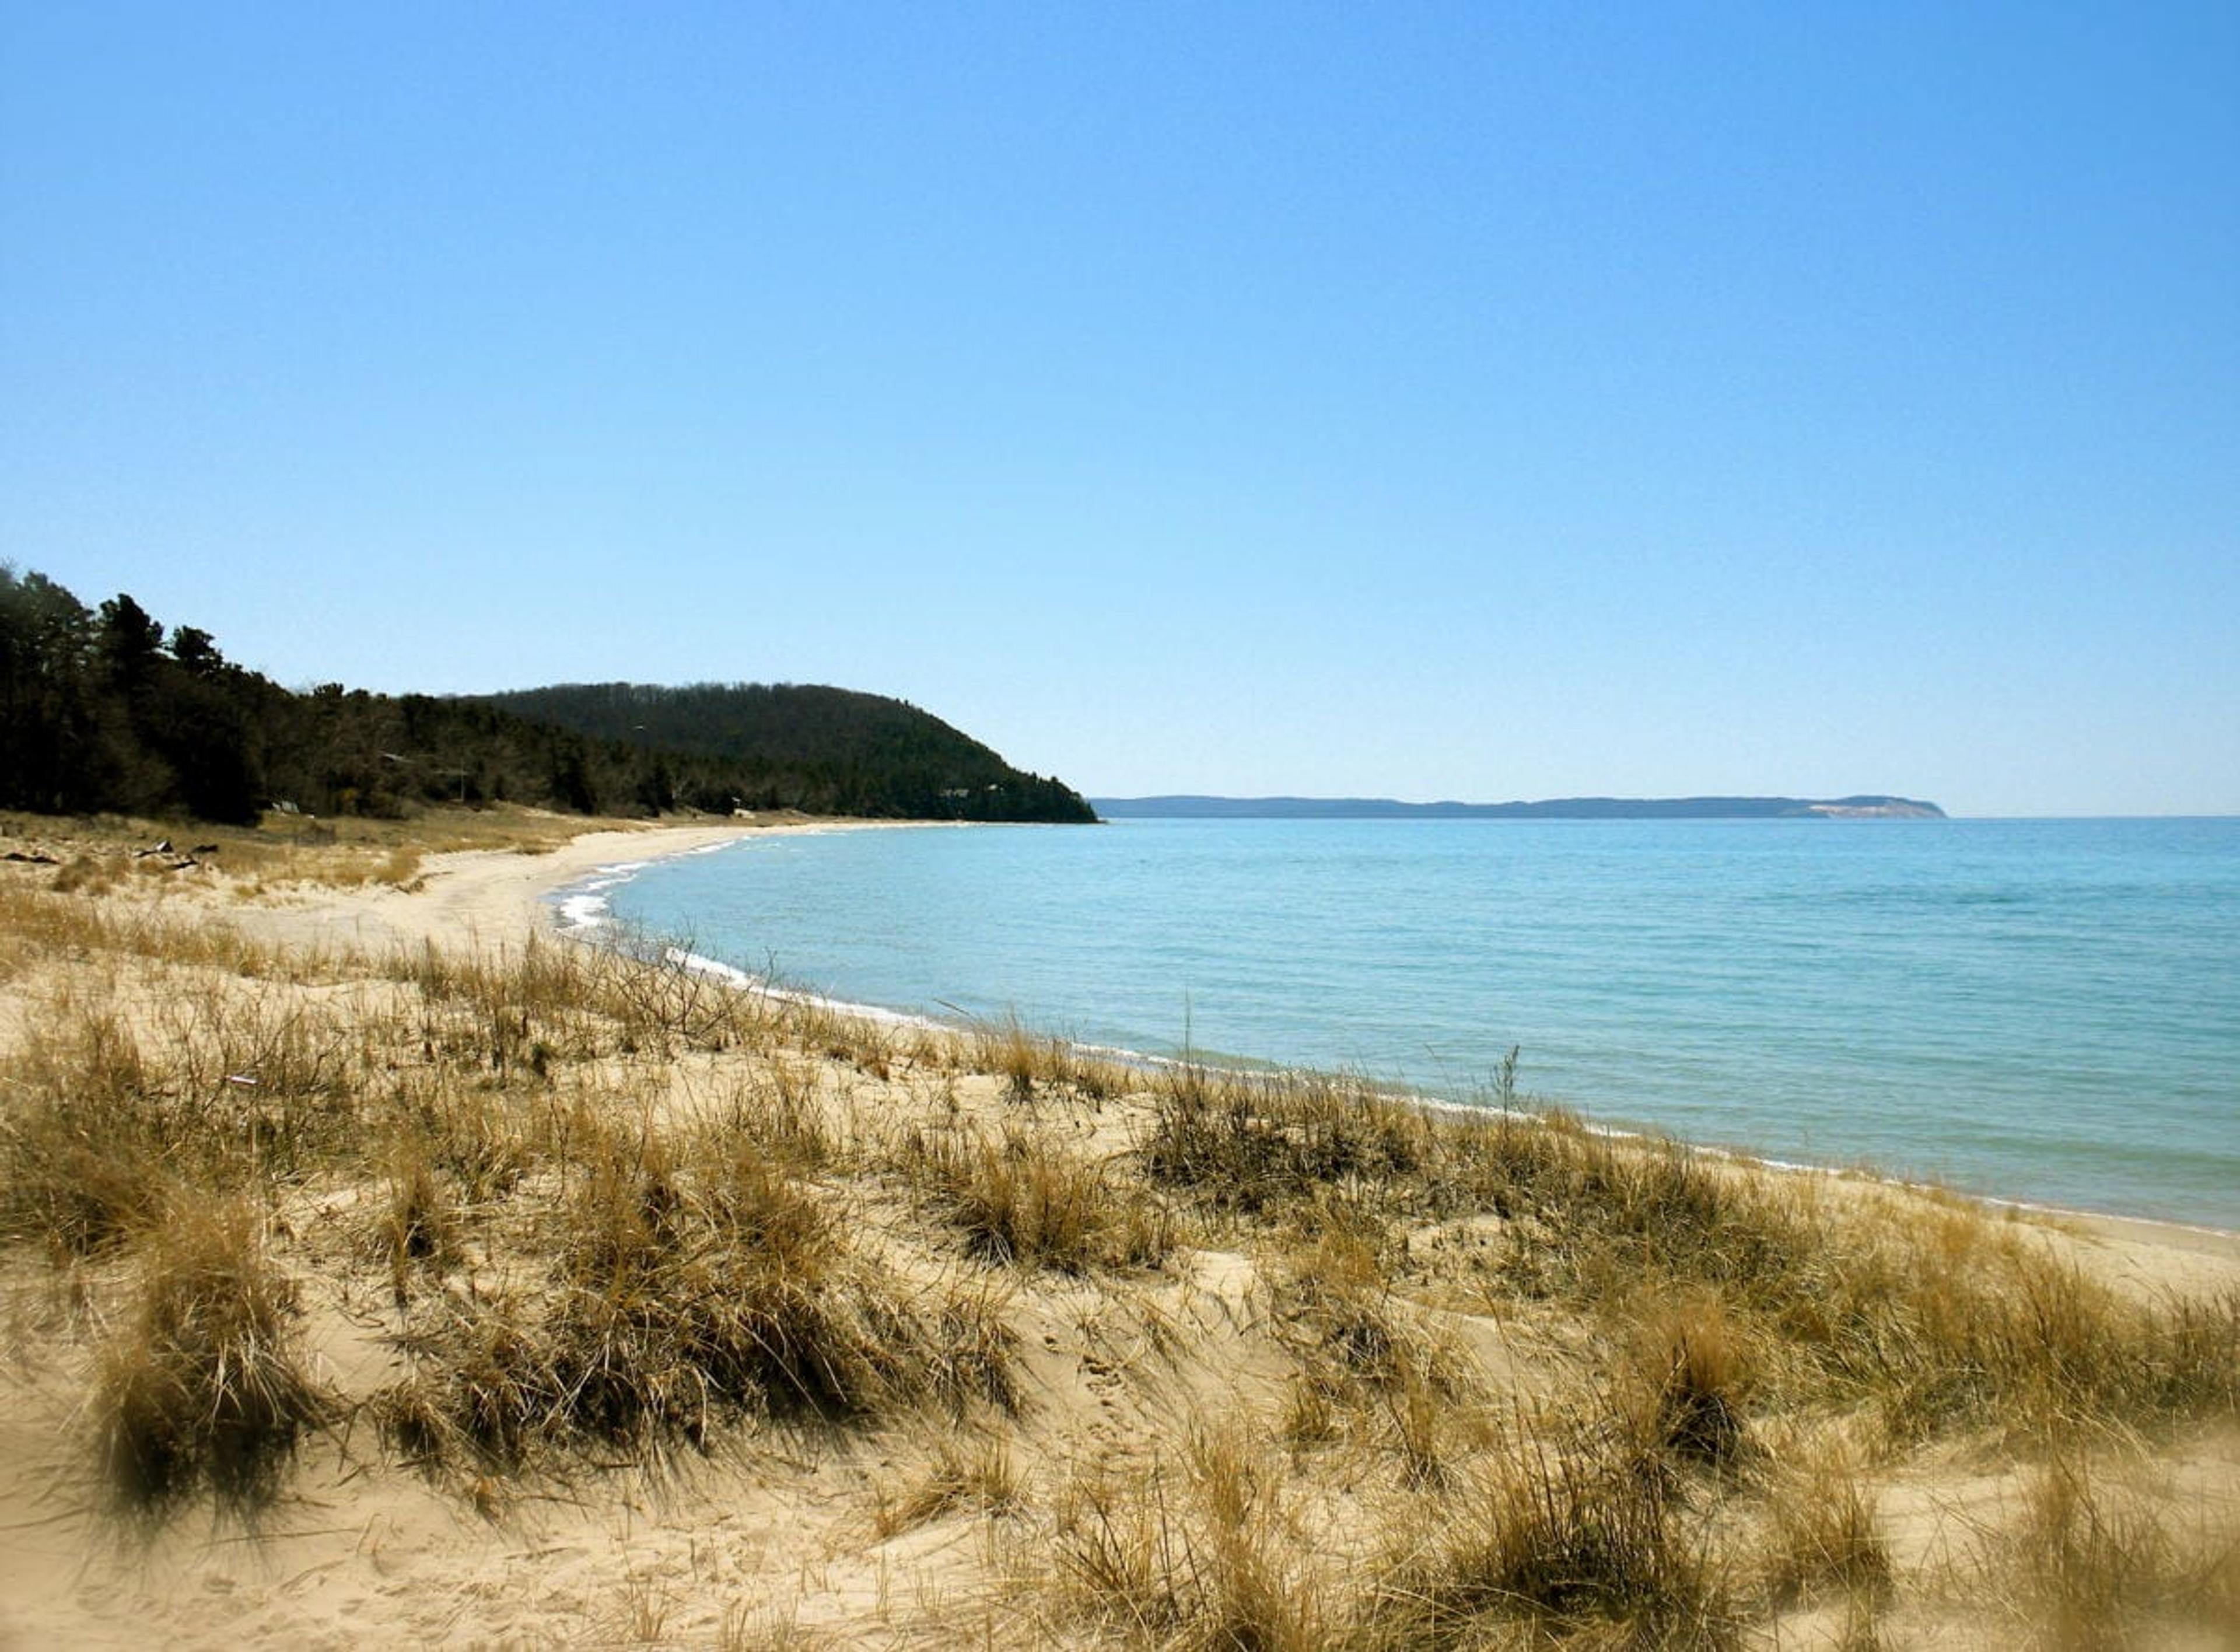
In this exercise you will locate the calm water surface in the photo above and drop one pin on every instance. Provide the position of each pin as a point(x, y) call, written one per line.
point(2047, 1010)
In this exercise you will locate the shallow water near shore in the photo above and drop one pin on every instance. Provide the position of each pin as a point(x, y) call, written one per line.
point(2040, 1011)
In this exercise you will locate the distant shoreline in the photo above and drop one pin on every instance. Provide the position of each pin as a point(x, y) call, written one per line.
point(1196, 806)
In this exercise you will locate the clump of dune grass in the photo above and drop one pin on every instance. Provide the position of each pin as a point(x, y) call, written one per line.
point(276, 1079)
point(1563, 1538)
point(548, 1000)
point(2015, 1337)
point(1591, 1216)
point(105, 1121)
point(661, 1000)
point(1944, 1323)
point(1822, 1537)
point(975, 1473)
point(1369, 1366)
point(774, 1015)
point(88, 1140)
point(678, 1302)
point(686, 1292)
point(1017, 1056)
point(475, 1141)
point(1206, 1557)
point(482, 1390)
point(1685, 1380)
point(258, 1039)
point(1310, 1416)
point(1031, 1063)
point(2092, 1563)
point(201, 1384)
point(515, 1009)
point(1244, 1142)
point(1336, 1307)
point(1024, 1201)
point(420, 1226)
point(779, 1111)
point(1338, 1298)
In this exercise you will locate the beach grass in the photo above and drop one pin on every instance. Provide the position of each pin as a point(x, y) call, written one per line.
point(202, 1385)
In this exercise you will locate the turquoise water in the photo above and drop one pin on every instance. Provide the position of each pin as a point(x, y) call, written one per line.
point(2042, 1010)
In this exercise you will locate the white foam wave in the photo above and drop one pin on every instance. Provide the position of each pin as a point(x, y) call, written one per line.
point(714, 969)
point(732, 976)
point(582, 911)
point(587, 903)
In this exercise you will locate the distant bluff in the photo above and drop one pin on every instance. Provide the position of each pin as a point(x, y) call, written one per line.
point(1863, 807)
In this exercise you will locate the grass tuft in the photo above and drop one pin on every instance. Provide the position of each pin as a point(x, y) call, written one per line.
point(202, 1385)
point(1211, 1563)
point(1685, 1379)
point(1824, 1537)
point(2094, 1565)
point(975, 1474)
point(689, 1290)
point(1246, 1142)
point(86, 1148)
point(1027, 1201)
point(1583, 1539)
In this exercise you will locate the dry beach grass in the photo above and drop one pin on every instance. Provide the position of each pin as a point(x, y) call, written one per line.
point(377, 1270)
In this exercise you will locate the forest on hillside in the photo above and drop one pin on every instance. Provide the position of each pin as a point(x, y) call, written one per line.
point(108, 709)
point(829, 751)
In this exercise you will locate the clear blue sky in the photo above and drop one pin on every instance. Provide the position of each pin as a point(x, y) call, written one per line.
point(1475, 401)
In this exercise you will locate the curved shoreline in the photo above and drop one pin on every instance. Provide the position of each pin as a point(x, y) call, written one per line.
point(484, 894)
point(528, 894)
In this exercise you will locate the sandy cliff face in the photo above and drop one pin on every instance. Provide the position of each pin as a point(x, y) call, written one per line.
point(1887, 808)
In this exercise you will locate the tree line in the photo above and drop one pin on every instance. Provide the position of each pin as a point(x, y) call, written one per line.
point(108, 709)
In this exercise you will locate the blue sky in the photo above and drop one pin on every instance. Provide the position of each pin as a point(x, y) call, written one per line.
point(1470, 400)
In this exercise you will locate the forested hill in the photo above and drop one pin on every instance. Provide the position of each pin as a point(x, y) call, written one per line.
point(829, 751)
point(109, 709)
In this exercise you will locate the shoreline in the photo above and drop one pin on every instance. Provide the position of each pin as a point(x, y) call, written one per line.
point(473, 895)
point(530, 897)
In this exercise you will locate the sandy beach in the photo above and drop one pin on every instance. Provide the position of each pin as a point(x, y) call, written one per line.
point(472, 896)
point(1225, 1409)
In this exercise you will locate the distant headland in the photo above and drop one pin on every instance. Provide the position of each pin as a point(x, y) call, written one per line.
point(1202, 808)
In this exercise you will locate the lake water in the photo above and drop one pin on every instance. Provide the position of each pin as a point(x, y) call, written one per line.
point(2042, 1010)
